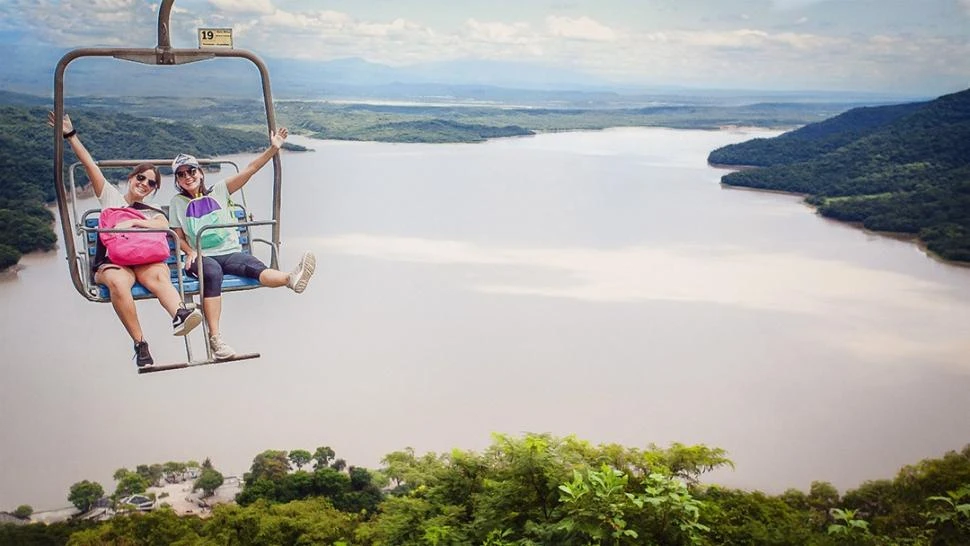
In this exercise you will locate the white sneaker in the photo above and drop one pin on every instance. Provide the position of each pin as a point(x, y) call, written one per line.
point(220, 349)
point(301, 274)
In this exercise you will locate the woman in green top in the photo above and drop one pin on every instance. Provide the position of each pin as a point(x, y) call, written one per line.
point(196, 206)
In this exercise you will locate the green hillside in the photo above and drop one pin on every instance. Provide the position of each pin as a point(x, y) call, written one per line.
point(27, 166)
point(435, 131)
point(812, 140)
point(434, 123)
point(902, 168)
point(10, 98)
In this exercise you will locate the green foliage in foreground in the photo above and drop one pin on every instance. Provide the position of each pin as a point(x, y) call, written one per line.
point(544, 490)
point(902, 168)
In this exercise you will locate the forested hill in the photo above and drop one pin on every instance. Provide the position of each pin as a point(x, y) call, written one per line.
point(27, 169)
point(903, 168)
point(814, 139)
point(10, 98)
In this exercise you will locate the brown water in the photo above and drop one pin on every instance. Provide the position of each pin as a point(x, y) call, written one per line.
point(601, 284)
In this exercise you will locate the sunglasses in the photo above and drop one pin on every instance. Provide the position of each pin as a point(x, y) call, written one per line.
point(151, 181)
point(187, 173)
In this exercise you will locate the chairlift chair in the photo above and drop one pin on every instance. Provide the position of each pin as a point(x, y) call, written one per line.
point(80, 231)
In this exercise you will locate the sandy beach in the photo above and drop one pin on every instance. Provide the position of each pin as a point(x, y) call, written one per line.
point(183, 501)
point(178, 496)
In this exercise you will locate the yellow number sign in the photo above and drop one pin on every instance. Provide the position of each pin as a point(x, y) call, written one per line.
point(215, 37)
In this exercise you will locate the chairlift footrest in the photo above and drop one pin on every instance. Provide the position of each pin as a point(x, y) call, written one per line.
point(183, 365)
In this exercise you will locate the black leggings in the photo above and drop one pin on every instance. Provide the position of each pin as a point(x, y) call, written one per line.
point(237, 263)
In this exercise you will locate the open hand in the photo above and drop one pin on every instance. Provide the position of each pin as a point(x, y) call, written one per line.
point(68, 126)
point(277, 138)
point(189, 261)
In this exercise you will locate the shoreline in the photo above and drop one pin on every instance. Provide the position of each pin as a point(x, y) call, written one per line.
point(537, 132)
point(896, 235)
point(726, 167)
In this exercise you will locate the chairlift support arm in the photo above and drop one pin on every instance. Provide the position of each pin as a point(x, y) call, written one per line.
point(162, 54)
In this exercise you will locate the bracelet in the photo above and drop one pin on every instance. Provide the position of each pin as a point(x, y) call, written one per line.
point(72, 133)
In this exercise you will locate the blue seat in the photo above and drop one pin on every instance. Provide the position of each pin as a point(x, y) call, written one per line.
point(189, 283)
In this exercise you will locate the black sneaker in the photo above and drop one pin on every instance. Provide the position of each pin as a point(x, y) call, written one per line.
point(142, 356)
point(185, 320)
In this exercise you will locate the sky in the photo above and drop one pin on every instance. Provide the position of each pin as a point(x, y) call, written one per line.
point(902, 46)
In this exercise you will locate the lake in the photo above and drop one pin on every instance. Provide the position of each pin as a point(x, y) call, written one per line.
point(601, 284)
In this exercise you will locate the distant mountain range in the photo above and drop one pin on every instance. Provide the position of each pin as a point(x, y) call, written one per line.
point(902, 168)
point(30, 70)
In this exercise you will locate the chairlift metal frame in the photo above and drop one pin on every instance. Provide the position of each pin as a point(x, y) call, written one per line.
point(163, 54)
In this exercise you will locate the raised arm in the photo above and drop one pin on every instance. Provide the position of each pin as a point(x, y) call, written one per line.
point(90, 167)
point(234, 182)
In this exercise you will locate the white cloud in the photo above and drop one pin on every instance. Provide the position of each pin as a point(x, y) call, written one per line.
point(749, 38)
point(720, 46)
point(397, 27)
point(500, 33)
point(333, 34)
point(81, 22)
point(264, 7)
point(582, 28)
point(309, 20)
point(794, 4)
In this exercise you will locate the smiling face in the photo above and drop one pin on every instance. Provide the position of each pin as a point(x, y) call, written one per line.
point(189, 179)
point(142, 182)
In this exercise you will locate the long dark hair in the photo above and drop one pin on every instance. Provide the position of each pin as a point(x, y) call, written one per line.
point(142, 167)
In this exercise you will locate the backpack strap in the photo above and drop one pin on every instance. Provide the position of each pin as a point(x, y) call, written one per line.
point(138, 205)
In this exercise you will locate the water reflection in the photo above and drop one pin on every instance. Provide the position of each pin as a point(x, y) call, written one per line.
point(724, 275)
point(731, 276)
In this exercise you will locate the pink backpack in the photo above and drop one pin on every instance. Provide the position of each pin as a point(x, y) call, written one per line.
point(131, 248)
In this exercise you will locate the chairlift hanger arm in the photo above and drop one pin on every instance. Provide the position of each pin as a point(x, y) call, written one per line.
point(88, 232)
point(162, 54)
point(153, 56)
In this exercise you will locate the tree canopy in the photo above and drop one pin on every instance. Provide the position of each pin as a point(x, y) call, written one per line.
point(540, 489)
point(84, 494)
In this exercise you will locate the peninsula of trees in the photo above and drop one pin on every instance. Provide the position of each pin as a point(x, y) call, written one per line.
point(903, 169)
